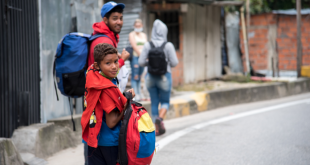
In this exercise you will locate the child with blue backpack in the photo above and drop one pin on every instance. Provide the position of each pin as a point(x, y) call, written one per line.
point(101, 120)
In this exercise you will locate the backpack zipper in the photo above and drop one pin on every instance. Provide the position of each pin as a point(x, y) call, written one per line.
point(136, 117)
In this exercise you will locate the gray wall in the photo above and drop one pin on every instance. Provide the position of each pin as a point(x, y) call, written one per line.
point(55, 20)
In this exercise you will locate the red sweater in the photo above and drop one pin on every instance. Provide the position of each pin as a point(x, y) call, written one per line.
point(102, 28)
point(99, 91)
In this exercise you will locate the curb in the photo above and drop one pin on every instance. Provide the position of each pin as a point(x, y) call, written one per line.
point(43, 140)
point(203, 101)
point(9, 153)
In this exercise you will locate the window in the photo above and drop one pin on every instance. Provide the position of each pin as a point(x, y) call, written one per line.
point(171, 19)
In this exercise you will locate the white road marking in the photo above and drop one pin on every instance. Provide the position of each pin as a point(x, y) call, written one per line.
point(165, 141)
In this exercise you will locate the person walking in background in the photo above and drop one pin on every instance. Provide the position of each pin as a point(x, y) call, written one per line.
point(159, 55)
point(137, 39)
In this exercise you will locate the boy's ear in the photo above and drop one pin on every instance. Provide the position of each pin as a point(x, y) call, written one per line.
point(96, 65)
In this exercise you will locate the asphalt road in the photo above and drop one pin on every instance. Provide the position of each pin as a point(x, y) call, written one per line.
point(261, 133)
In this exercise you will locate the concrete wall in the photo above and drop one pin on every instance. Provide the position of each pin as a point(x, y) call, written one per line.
point(283, 45)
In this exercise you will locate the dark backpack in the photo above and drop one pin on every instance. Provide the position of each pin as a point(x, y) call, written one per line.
point(157, 64)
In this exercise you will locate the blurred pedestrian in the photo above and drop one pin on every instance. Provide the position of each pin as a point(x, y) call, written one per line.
point(159, 55)
point(137, 39)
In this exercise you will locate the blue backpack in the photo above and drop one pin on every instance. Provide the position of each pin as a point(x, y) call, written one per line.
point(70, 63)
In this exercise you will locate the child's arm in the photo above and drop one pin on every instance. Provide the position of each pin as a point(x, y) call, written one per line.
point(113, 118)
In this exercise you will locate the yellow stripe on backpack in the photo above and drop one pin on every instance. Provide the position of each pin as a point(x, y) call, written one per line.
point(145, 123)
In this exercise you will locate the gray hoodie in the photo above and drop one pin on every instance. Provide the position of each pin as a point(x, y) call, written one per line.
point(159, 36)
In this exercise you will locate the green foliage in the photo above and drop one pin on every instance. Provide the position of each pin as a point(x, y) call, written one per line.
point(259, 6)
point(265, 6)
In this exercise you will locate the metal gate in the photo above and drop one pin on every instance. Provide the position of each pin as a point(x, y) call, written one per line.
point(19, 65)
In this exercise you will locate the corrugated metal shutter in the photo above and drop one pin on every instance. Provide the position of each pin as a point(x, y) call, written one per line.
point(131, 13)
point(19, 65)
point(129, 19)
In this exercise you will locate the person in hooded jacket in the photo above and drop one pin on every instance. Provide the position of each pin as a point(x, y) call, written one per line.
point(159, 87)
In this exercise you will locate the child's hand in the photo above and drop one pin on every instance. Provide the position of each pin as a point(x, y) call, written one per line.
point(125, 55)
point(132, 92)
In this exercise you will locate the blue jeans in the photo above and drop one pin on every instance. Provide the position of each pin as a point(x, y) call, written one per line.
point(136, 72)
point(159, 88)
point(136, 85)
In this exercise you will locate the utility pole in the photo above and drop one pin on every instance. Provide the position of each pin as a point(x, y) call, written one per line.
point(248, 23)
point(245, 41)
point(299, 45)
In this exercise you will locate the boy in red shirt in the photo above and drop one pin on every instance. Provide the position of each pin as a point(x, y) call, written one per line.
point(111, 24)
point(105, 105)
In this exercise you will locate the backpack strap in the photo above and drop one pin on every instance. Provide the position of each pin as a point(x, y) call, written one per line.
point(163, 46)
point(152, 45)
point(93, 37)
point(122, 148)
point(54, 77)
point(73, 123)
point(128, 96)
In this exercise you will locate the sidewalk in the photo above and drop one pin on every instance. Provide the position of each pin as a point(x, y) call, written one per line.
point(185, 103)
point(70, 156)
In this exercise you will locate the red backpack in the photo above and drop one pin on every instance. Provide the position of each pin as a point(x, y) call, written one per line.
point(137, 135)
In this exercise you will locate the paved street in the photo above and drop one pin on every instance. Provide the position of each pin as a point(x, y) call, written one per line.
point(268, 132)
